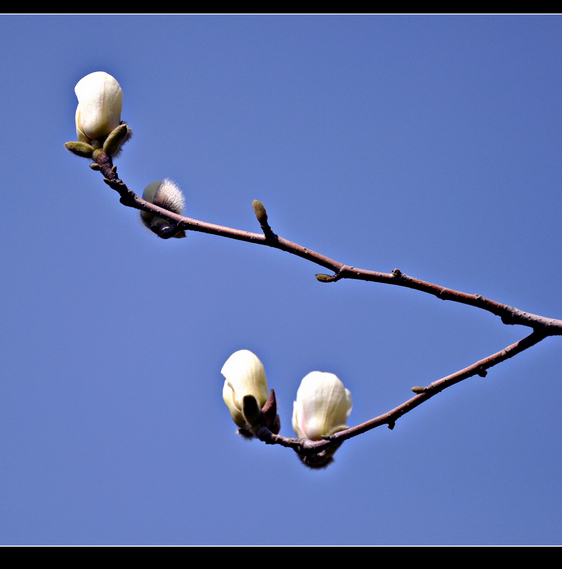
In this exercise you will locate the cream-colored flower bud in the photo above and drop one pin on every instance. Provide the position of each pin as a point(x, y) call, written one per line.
point(167, 195)
point(100, 100)
point(322, 406)
point(244, 378)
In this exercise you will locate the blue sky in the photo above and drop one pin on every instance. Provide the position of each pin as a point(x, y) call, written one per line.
point(426, 143)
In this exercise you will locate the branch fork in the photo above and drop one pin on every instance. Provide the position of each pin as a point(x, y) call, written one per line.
point(314, 451)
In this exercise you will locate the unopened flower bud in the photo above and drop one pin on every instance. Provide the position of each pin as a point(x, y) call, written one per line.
point(100, 100)
point(167, 195)
point(245, 388)
point(321, 409)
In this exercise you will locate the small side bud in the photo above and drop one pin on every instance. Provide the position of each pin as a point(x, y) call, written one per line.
point(325, 278)
point(116, 138)
point(261, 216)
point(81, 149)
point(167, 195)
point(261, 213)
point(418, 389)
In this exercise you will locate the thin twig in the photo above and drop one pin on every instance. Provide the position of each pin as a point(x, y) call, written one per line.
point(480, 368)
point(508, 314)
point(424, 393)
point(542, 327)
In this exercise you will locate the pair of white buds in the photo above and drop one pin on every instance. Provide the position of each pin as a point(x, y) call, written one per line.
point(321, 408)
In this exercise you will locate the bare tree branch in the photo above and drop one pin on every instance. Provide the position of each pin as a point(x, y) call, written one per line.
point(306, 447)
point(542, 326)
point(508, 314)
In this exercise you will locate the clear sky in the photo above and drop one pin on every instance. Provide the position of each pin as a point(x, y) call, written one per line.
point(431, 144)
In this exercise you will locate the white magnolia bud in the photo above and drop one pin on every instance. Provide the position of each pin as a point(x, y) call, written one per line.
point(167, 195)
point(245, 377)
point(322, 407)
point(100, 99)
